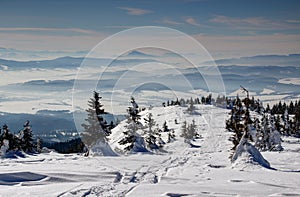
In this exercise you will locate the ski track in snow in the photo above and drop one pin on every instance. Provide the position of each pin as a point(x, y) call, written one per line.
point(182, 171)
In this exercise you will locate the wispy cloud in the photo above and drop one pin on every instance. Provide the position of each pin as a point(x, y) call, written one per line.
point(254, 23)
point(76, 30)
point(239, 21)
point(135, 11)
point(192, 21)
point(170, 22)
point(293, 21)
point(121, 26)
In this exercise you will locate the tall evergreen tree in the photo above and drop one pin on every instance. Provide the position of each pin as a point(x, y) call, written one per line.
point(94, 128)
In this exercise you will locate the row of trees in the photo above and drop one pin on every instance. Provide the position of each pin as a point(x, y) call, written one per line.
point(262, 130)
point(182, 102)
point(281, 108)
point(21, 141)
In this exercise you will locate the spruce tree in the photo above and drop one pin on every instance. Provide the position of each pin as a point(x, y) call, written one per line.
point(26, 139)
point(188, 132)
point(13, 140)
point(191, 108)
point(152, 135)
point(171, 135)
point(39, 145)
point(94, 128)
point(132, 138)
point(7, 137)
point(165, 126)
point(286, 122)
point(275, 138)
point(130, 135)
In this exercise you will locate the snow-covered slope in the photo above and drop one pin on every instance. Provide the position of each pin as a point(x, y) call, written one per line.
point(178, 171)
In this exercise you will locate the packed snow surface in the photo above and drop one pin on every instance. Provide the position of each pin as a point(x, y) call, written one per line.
point(179, 170)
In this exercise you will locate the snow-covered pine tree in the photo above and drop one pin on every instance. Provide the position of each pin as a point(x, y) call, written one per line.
point(191, 108)
point(286, 123)
point(182, 102)
point(4, 147)
point(241, 124)
point(259, 134)
point(14, 142)
point(134, 110)
point(130, 135)
point(266, 130)
point(133, 140)
point(171, 136)
point(297, 120)
point(26, 138)
point(275, 137)
point(188, 132)
point(152, 135)
point(94, 130)
point(39, 146)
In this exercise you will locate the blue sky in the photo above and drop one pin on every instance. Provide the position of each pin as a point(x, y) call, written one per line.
point(225, 28)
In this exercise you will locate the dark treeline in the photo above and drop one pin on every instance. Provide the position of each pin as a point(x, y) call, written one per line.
point(183, 102)
point(70, 146)
point(293, 108)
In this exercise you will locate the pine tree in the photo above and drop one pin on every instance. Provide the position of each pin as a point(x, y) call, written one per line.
point(171, 135)
point(39, 143)
point(134, 110)
point(132, 138)
point(275, 138)
point(4, 147)
point(268, 110)
point(94, 128)
point(182, 102)
point(286, 122)
point(191, 108)
point(165, 126)
point(152, 135)
point(13, 141)
point(26, 139)
point(130, 135)
point(188, 132)
point(240, 124)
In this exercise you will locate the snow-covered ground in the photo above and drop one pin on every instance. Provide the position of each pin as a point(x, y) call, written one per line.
point(180, 171)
